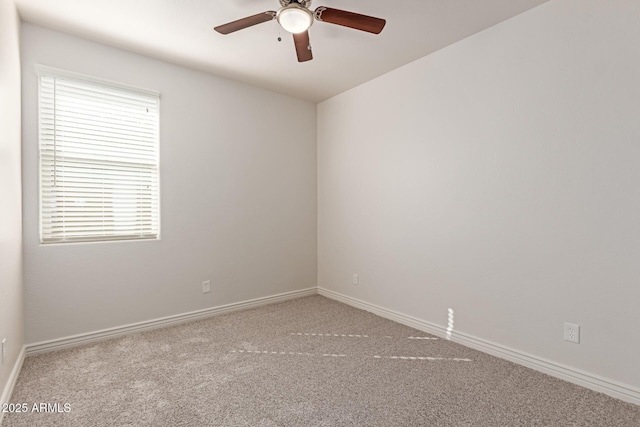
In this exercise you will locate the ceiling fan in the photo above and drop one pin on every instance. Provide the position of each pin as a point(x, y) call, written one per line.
point(296, 17)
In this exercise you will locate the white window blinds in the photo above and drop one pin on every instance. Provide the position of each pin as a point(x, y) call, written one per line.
point(98, 161)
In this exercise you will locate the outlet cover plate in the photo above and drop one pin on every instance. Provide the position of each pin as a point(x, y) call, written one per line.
point(206, 286)
point(572, 333)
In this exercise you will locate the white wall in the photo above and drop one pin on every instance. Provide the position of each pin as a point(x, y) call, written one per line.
point(499, 177)
point(238, 199)
point(11, 305)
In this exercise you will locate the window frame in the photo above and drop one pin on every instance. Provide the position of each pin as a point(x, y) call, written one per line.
point(43, 70)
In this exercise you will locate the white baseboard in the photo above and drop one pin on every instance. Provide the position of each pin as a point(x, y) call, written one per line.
point(11, 383)
point(75, 340)
point(594, 382)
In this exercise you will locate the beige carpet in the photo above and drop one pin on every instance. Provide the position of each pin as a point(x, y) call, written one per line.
point(307, 362)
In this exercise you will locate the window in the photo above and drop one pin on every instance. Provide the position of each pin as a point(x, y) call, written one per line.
point(98, 160)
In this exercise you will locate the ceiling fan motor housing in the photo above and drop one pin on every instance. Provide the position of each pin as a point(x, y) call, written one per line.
point(303, 3)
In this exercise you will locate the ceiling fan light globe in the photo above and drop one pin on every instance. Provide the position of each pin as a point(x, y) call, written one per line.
point(295, 19)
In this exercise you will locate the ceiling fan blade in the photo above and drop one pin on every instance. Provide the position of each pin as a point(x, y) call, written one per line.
point(303, 46)
point(249, 21)
point(350, 19)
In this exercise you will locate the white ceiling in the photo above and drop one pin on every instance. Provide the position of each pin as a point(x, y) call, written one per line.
point(181, 31)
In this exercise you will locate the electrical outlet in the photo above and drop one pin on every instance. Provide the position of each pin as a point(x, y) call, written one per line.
point(572, 333)
point(4, 349)
point(206, 286)
point(356, 280)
